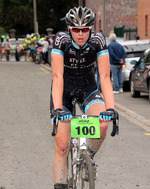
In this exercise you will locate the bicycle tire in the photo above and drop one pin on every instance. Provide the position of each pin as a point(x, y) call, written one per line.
point(85, 174)
point(70, 170)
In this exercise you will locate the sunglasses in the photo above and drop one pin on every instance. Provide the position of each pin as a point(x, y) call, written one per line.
point(77, 30)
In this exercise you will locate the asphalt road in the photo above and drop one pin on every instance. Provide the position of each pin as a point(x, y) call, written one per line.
point(27, 148)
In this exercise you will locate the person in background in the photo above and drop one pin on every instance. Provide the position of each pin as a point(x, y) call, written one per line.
point(36, 38)
point(6, 45)
point(117, 58)
point(51, 41)
point(25, 45)
point(45, 45)
point(17, 50)
point(32, 47)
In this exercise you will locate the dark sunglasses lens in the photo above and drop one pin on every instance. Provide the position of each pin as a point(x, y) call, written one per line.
point(77, 30)
point(85, 30)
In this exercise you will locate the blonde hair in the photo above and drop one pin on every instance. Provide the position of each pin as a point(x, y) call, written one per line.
point(112, 37)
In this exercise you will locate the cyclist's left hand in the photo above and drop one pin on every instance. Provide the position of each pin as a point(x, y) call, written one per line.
point(63, 115)
point(107, 115)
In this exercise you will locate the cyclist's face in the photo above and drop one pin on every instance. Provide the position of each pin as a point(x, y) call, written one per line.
point(80, 35)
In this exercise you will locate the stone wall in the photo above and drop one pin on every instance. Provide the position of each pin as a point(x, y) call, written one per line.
point(117, 13)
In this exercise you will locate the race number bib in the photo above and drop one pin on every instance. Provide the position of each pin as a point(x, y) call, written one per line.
point(85, 128)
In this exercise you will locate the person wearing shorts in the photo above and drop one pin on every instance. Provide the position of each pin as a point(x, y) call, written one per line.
point(74, 56)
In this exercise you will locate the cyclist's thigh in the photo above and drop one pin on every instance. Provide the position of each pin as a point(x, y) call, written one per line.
point(96, 108)
point(94, 105)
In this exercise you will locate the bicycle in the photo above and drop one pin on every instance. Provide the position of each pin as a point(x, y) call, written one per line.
point(81, 172)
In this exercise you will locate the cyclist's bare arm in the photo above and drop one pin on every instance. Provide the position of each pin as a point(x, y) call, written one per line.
point(57, 70)
point(104, 71)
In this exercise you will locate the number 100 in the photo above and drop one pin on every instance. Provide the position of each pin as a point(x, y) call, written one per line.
point(86, 130)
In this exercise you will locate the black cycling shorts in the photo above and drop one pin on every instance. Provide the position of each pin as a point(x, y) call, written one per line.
point(83, 89)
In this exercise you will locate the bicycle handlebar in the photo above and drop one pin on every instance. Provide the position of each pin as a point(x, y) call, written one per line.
point(115, 120)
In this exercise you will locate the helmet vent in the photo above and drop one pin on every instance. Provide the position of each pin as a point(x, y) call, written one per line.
point(80, 17)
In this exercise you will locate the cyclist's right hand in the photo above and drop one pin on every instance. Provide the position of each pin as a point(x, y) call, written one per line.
point(62, 115)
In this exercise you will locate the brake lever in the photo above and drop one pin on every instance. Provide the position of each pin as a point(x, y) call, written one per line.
point(55, 121)
point(115, 119)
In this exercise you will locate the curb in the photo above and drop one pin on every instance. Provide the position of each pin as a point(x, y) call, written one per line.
point(46, 67)
point(125, 110)
point(133, 114)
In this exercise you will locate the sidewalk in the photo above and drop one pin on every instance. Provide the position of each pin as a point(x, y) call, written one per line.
point(137, 108)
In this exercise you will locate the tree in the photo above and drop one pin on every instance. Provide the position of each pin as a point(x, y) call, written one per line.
point(18, 14)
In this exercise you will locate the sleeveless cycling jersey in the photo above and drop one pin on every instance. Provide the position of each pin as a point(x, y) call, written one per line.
point(79, 61)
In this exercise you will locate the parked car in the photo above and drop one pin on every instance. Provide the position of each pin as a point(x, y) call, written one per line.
point(13, 44)
point(134, 50)
point(140, 75)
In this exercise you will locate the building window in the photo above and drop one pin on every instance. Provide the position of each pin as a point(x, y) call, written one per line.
point(146, 24)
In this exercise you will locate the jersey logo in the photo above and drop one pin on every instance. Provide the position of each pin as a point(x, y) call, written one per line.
point(97, 96)
point(72, 51)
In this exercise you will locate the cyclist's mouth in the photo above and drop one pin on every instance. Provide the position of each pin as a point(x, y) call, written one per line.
point(80, 40)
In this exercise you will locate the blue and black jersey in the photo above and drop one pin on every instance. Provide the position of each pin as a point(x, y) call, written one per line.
point(79, 60)
point(79, 78)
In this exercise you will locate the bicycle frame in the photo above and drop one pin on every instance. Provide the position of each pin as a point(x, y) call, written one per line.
point(77, 146)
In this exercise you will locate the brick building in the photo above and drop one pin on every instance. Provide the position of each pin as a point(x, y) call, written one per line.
point(144, 19)
point(118, 13)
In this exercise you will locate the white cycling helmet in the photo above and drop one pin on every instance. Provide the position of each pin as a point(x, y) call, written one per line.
point(80, 17)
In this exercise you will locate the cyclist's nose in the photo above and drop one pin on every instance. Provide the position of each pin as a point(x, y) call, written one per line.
point(80, 32)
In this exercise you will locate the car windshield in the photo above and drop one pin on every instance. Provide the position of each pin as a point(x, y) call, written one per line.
point(136, 47)
point(134, 54)
point(20, 41)
point(135, 50)
point(13, 42)
point(147, 60)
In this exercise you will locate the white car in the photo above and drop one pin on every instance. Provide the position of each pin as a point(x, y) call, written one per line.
point(13, 44)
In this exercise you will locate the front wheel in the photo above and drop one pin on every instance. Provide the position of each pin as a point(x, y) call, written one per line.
point(85, 173)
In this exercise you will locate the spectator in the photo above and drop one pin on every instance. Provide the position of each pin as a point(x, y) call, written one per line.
point(45, 45)
point(117, 57)
point(17, 50)
point(6, 45)
point(51, 41)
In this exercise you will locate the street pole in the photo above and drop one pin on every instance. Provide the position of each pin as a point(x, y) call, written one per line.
point(104, 17)
point(35, 17)
point(81, 3)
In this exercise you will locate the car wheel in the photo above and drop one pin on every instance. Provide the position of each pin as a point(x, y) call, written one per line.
point(134, 93)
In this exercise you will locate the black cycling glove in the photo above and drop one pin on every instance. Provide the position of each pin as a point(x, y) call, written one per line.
point(108, 114)
point(62, 114)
